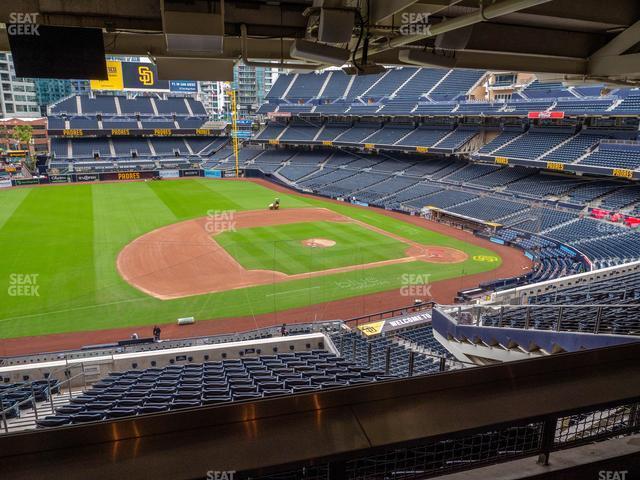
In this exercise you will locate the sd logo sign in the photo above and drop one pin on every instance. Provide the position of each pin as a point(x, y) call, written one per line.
point(145, 75)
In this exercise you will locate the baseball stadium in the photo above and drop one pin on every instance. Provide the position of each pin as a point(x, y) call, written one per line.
point(416, 255)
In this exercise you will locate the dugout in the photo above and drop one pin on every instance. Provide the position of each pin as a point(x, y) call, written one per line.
point(456, 220)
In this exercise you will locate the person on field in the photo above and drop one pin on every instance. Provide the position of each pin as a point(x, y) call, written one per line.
point(134, 336)
point(283, 330)
point(156, 333)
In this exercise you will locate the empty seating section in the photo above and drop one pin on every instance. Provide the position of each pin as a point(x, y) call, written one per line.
point(99, 104)
point(363, 109)
point(456, 139)
point(66, 105)
point(360, 85)
point(447, 199)
point(169, 146)
point(501, 177)
point(300, 132)
point(141, 105)
point(85, 123)
point(390, 82)
point(630, 105)
point(172, 105)
point(197, 108)
point(459, 81)
point(470, 172)
point(125, 146)
point(15, 397)
point(421, 83)
point(573, 149)
point(502, 138)
point(357, 133)
point(375, 193)
point(585, 228)
point(354, 348)
point(88, 147)
point(422, 336)
point(540, 185)
point(158, 122)
point(488, 208)
point(336, 86)
point(532, 144)
point(271, 131)
point(306, 86)
point(191, 122)
point(390, 134)
point(615, 155)
point(583, 106)
point(621, 198)
point(55, 123)
point(538, 89)
point(424, 136)
point(280, 86)
point(536, 220)
point(588, 192)
point(119, 122)
point(424, 108)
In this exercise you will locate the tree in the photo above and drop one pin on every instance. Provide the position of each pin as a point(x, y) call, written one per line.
point(22, 134)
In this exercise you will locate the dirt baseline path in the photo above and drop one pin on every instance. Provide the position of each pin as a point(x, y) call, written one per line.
point(183, 259)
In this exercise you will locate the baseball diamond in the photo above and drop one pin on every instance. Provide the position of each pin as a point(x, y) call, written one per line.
point(117, 266)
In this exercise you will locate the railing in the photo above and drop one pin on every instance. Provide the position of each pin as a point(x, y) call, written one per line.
point(396, 312)
point(619, 319)
point(535, 437)
point(52, 386)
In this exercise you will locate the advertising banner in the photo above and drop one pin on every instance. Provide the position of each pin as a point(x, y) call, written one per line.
point(183, 86)
point(213, 173)
point(5, 183)
point(114, 80)
point(142, 76)
point(190, 173)
point(59, 178)
point(169, 173)
point(26, 181)
point(126, 175)
point(86, 177)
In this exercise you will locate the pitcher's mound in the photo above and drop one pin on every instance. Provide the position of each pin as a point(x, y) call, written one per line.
point(318, 243)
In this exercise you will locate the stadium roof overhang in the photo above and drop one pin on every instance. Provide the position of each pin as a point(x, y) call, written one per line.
point(574, 41)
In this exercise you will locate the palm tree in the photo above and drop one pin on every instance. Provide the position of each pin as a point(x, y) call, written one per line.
point(22, 134)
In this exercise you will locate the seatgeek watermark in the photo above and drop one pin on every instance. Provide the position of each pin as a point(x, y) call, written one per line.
point(221, 474)
point(24, 24)
point(414, 23)
point(416, 285)
point(219, 221)
point(23, 285)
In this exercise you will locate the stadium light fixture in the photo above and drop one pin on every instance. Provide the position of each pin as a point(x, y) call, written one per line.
point(319, 52)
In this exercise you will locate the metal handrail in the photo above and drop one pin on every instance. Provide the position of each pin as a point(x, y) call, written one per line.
point(32, 399)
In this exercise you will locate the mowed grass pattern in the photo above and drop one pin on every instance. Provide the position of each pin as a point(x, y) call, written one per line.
point(69, 236)
point(280, 248)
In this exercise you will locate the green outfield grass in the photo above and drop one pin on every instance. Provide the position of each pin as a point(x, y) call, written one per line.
point(280, 248)
point(60, 243)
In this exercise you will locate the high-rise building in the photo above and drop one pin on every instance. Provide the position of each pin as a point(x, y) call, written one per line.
point(17, 95)
point(49, 90)
point(251, 85)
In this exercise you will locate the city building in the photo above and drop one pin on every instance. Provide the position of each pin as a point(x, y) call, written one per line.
point(39, 139)
point(17, 95)
point(251, 85)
